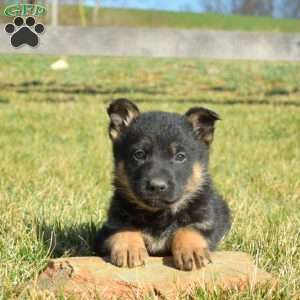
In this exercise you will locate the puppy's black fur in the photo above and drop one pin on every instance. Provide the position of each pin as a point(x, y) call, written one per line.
point(164, 201)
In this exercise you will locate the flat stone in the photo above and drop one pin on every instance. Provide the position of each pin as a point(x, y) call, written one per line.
point(92, 277)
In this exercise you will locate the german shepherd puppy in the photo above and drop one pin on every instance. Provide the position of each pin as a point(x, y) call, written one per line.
point(164, 201)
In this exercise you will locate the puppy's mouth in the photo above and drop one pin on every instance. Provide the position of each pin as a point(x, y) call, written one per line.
point(159, 202)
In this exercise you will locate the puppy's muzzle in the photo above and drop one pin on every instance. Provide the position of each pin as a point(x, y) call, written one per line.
point(157, 186)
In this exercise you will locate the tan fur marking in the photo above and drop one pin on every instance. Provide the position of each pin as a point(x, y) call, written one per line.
point(194, 183)
point(127, 249)
point(131, 116)
point(123, 186)
point(173, 147)
point(206, 135)
point(189, 249)
point(114, 134)
point(208, 138)
point(193, 119)
point(195, 180)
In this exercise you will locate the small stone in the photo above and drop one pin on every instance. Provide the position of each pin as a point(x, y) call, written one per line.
point(59, 65)
point(92, 277)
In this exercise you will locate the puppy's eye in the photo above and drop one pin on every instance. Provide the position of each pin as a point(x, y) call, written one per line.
point(180, 157)
point(139, 155)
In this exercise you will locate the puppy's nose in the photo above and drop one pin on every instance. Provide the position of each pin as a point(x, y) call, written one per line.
point(157, 185)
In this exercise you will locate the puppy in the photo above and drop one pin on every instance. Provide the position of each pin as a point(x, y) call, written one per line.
point(164, 200)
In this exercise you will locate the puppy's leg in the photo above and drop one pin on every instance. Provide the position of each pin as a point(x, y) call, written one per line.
point(189, 249)
point(127, 249)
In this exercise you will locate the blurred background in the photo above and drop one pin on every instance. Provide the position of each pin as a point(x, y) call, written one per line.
point(163, 13)
point(223, 29)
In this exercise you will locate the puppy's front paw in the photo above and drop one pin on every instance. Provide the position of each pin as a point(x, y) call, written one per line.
point(128, 249)
point(190, 250)
point(128, 256)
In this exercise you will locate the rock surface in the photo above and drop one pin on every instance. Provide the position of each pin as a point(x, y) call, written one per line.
point(94, 277)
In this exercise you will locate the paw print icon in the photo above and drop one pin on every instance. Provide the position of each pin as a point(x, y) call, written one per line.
point(24, 31)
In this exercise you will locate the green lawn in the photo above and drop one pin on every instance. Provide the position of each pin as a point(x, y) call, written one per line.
point(56, 162)
point(70, 15)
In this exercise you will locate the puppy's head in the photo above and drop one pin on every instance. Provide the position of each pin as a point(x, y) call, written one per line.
point(160, 158)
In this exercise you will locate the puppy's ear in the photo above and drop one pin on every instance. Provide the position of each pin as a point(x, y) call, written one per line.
point(121, 112)
point(203, 122)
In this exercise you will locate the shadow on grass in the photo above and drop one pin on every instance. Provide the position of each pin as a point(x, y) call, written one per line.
point(68, 240)
point(52, 87)
point(222, 102)
point(70, 90)
point(3, 100)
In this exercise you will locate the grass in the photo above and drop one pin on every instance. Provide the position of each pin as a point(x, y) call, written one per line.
point(56, 161)
point(70, 15)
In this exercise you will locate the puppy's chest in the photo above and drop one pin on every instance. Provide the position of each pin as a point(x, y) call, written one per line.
point(158, 230)
point(158, 242)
